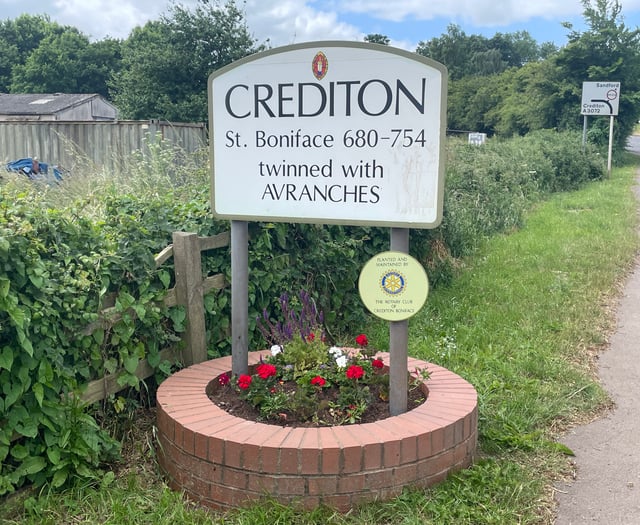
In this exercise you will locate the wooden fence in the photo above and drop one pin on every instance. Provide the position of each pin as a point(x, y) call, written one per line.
point(189, 291)
point(102, 143)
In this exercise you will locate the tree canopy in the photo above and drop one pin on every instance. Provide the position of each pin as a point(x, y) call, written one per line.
point(606, 51)
point(18, 39)
point(166, 63)
point(508, 85)
point(475, 55)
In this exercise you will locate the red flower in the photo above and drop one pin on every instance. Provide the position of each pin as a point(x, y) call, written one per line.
point(362, 340)
point(377, 363)
point(318, 381)
point(311, 337)
point(244, 381)
point(266, 370)
point(355, 372)
point(224, 379)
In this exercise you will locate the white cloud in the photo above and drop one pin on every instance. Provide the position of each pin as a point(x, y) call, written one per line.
point(100, 18)
point(291, 21)
point(477, 12)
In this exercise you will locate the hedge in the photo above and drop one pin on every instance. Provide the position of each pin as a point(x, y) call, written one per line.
point(60, 264)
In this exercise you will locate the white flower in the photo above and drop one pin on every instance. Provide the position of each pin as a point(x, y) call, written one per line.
point(335, 351)
point(275, 350)
point(341, 361)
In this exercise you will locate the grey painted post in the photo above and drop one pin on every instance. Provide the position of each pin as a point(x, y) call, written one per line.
point(611, 118)
point(188, 269)
point(239, 297)
point(398, 341)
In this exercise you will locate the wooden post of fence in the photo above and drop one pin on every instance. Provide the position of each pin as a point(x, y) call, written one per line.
point(188, 270)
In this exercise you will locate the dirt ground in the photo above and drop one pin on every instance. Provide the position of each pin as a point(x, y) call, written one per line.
point(606, 489)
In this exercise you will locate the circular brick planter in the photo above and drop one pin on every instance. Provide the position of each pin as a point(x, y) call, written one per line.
point(223, 461)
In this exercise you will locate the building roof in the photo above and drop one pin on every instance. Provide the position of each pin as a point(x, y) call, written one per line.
point(40, 104)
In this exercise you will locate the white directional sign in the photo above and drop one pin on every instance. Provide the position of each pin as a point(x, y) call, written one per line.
point(600, 98)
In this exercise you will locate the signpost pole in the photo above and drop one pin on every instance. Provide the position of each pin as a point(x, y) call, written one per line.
point(584, 133)
point(239, 297)
point(610, 146)
point(398, 340)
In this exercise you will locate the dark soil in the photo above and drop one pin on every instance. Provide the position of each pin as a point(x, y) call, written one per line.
point(320, 414)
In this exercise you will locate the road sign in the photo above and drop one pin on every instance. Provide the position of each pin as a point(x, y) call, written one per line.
point(329, 132)
point(600, 98)
point(477, 139)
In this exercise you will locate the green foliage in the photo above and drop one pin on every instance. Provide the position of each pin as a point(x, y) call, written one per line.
point(489, 188)
point(515, 325)
point(475, 55)
point(61, 265)
point(377, 38)
point(305, 379)
point(159, 71)
point(56, 271)
point(544, 94)
point(607, 50)
point(18, 39)
point(166, 63)
point(528, 364)
point(56, 59)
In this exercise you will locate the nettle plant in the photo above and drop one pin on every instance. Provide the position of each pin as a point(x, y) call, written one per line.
point(306, 378)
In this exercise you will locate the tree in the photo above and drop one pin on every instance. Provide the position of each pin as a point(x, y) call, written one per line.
point(534, 97)
point(606, 51)
point(453, 49)
point(18, 39)
point(65, 62)
point(376, 38)
point(100, 62)
point(471, 101)
point(516, 49)
point(475, 55)
point(166, 63)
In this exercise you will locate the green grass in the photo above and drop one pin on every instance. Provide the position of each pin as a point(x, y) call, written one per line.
point(521, 322)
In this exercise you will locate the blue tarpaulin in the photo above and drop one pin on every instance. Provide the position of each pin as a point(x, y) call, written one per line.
point(25, 166)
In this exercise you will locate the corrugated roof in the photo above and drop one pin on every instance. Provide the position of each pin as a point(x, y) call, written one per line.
point(39, 103)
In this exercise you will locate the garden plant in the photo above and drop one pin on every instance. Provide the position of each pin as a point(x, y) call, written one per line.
point(64, 250)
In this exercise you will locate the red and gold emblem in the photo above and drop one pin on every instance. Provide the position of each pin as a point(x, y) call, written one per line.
point(320, 65)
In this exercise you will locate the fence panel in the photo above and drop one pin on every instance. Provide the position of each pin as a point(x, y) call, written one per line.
point(102, 143)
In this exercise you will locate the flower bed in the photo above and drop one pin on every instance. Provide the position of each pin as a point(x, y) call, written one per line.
point(308, 383)
point(225, 461)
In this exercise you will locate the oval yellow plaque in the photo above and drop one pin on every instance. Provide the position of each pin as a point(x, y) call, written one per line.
point(393, 286)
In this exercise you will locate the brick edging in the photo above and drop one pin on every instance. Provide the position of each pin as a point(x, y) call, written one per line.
point(224, 461)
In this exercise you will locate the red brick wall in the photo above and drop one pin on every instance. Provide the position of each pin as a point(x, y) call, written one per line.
point(223, 461)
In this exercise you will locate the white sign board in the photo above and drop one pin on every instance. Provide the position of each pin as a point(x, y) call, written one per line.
point(329, 132)
point(477, 139)
point(600, 98)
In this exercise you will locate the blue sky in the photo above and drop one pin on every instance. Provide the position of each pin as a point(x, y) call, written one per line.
point(405, 22)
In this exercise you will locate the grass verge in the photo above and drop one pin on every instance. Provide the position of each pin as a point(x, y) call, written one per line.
point(521, 323)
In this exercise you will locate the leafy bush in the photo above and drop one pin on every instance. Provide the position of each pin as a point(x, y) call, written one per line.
point(57, 269)
point(571, 166)
point(67, 252)
point(489, 188)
